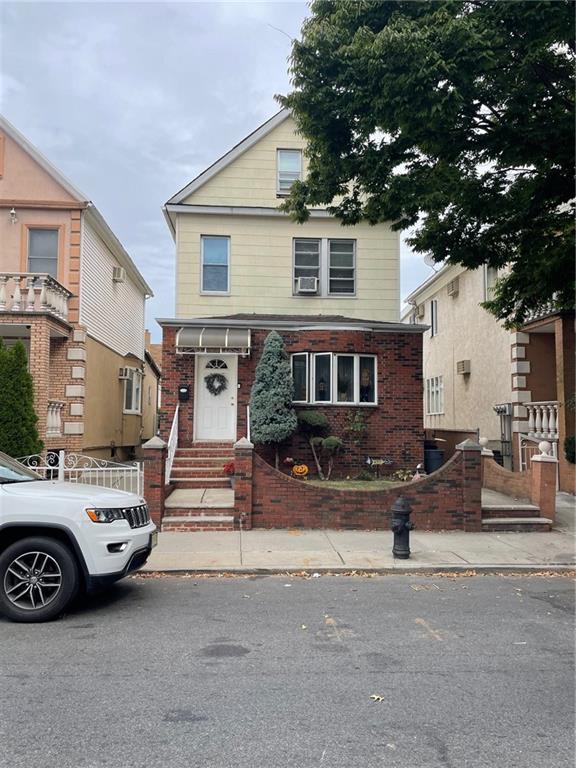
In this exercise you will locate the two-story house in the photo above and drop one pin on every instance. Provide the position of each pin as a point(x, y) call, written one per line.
point(73, 296)
point(480, 380)
point(332, 292)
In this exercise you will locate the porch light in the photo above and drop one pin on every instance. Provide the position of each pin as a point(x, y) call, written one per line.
point(13, 217)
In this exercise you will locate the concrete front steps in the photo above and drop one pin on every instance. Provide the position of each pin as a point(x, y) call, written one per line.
point(518, 516)
point(200, 466)
point(199, 509)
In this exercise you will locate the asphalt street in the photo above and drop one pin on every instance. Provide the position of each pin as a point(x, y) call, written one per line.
point(286, 672)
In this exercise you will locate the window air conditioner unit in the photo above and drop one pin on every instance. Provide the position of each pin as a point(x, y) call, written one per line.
point(463, 366)
point(452, 288)
point(420, 310)
point(307, 284)
point(124, 373)
point(118, 274)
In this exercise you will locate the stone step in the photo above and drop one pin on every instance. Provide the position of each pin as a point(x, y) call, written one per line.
point(207, 446)
point(490, 511)
point(201, 461)
point(200, 482)
point(185, 511)
point(518, 524)
point(186, 471)
point(191, 523)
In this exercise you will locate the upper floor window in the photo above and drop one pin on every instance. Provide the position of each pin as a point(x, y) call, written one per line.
point(490, 277)
point(289, 162)
point(324, 267)
point(133, 391)
point(433, 317)
point(434, 395)
point(43, 251)
point(341, 266)
point(306, 265)
point(215, 264)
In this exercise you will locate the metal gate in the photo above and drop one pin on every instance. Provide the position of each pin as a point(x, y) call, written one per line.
point(78, 468)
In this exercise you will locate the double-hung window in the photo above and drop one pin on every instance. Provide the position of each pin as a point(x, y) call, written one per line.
point(289, 163)
point(490, 277)
point(332, 378)
point(330, 263)
point(215, 259)
point(434, 395)
point(341, 267)
point(306, 261)
point(133, 391)
point(433, 317)
point(43, 251)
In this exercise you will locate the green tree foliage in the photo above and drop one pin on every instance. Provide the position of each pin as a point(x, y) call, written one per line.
point(454, 117)
point(18, 432)
point(272, 417)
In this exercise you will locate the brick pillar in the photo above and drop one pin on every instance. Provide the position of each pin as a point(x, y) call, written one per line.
point(486, 455)
point(471, 485)
point(155, 477)
point(543, 490)
point(243, 462)
point(39, 365)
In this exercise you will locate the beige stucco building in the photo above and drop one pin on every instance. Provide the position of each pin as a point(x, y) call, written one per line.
point(480, 380)
point(73, 296)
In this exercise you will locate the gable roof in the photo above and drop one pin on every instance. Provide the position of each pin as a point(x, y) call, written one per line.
point(230, 156)
point(94, 215)
point(7, 128)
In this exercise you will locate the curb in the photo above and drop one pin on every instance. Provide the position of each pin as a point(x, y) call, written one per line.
point(567, 569)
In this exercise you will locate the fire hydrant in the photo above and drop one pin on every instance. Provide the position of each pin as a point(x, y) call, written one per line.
point(401, 526)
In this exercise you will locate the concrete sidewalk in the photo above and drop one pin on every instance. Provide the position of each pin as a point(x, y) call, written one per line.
point(327, 550)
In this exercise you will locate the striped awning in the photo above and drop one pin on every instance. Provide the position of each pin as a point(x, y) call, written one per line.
point(210, 339)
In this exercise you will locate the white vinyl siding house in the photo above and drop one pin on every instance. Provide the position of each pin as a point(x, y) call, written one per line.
point(103, 298)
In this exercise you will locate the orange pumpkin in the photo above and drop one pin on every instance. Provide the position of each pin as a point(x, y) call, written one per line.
point(300, 471)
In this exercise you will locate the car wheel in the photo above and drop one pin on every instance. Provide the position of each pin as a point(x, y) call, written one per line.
point(38, 578)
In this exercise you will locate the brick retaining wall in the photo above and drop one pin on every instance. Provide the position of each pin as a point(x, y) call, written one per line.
point(448, 499)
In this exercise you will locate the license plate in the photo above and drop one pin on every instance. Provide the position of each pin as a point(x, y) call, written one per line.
point(153, 539)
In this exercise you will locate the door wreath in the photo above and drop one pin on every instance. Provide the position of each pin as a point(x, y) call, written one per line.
point(216, 383)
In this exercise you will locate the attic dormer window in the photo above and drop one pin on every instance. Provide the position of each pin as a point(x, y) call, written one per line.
point(289, 163)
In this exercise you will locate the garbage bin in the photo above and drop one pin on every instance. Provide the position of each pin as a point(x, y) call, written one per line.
point(433, 459)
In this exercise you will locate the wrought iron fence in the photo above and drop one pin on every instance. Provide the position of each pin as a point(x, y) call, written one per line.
point(78, 468)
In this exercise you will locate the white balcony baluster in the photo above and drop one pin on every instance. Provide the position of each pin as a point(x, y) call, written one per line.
point(3, 280)
point(54, 418)
point(31, 292)
point(543, 420)
point(17, 295)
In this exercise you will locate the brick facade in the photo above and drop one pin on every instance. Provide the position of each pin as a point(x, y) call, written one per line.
point(448, 499)
point(393, 427)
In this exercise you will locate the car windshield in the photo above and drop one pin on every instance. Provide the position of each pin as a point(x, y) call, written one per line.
point(11, 471)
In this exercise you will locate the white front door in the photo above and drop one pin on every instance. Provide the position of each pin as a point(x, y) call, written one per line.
point(216, 390)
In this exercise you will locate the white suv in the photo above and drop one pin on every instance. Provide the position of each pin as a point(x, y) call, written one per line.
point(59, 537)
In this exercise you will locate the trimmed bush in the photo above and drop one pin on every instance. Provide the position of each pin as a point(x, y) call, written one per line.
point(272, 417)
point(18, 431)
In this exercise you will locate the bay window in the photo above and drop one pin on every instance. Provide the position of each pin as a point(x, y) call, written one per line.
point(333, 378)
point(300, 377)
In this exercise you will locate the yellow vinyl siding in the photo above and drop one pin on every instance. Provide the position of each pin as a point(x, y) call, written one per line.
point(261, 257)
point(251, 178)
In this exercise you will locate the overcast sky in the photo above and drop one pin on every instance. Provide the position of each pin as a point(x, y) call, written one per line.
point(132, 100)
